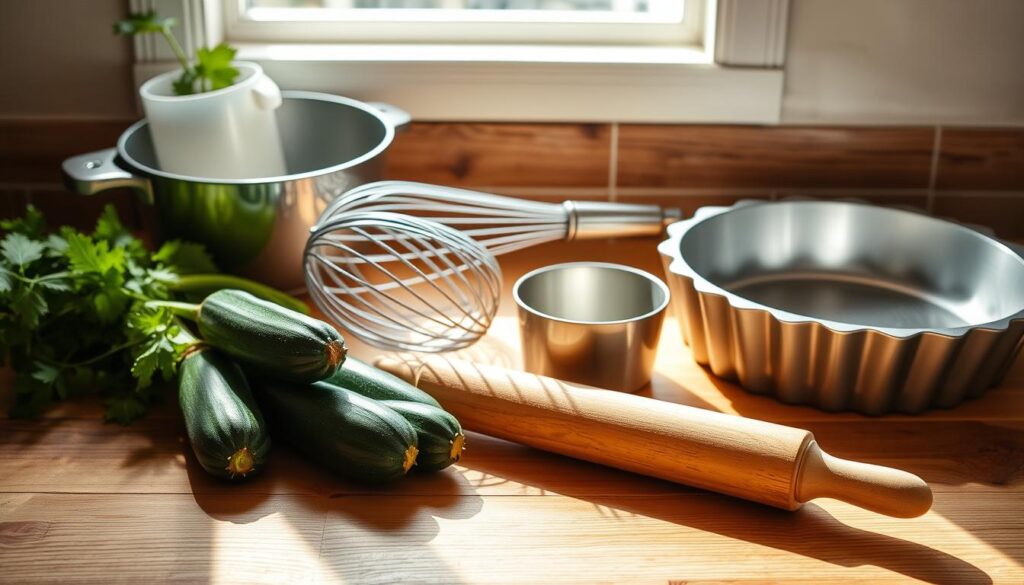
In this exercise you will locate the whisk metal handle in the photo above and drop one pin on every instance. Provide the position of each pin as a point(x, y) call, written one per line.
point(589, 220)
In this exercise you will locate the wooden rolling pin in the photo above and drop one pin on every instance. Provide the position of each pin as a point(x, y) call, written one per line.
point(755, 460)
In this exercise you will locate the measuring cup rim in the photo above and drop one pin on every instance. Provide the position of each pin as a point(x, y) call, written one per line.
point(654, 280)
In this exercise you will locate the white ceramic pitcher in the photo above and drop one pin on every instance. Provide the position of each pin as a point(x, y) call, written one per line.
point(229, 133)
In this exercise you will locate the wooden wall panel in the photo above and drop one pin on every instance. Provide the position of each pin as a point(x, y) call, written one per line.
point(522, 155)
point(773, 157)
point(1002, 212)
point(978, 175)
point(976, 159)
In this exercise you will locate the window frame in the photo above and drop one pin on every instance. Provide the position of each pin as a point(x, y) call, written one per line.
point(464, 27)
point(735, 76)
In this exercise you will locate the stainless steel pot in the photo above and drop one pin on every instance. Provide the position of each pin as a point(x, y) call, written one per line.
point(256, 227)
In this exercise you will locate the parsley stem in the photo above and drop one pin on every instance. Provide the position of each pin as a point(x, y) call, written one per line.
point(33, 281)
point(93, 359)
point(189, 311)
point(208, 283)
point(176, 48)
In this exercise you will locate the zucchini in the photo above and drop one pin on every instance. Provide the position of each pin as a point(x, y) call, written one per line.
point(350, 434)
point(438, 433)
point(223, 422)
point(270, 338)
point(367, 380)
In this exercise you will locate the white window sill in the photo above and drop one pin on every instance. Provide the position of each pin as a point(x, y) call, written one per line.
point(527, 83)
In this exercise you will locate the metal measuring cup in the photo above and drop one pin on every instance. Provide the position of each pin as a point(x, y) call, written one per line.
point(591, 322)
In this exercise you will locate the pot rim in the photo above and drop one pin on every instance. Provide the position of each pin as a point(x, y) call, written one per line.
point(385, 142)
point(679, 266)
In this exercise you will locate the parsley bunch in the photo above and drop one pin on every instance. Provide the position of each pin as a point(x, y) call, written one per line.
point(81, 313)
point(212, 69)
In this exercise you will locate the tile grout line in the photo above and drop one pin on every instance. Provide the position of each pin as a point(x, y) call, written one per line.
point(613, 163)
point(933, 171)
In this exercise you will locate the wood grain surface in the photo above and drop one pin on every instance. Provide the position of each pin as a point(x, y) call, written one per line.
point(84, 502)
point(500, 155)
point(981, 158)
point(773, 157)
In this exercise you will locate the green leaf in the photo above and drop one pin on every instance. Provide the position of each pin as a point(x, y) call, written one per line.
point(214, 65)
point(56, 246)
point(31, 225)
point(148, 321)
point(185, 85)
point(89, 257)
point(164, 343)
point(21, 251)
point(55, 285)
point(124, 409)
point(160, 355)
point(29, 305)
point(161, 275)
point(110, 304)
point(110, 228)
point(144, 22)
point(45, 373)
point(6, 280)
point(185, 258)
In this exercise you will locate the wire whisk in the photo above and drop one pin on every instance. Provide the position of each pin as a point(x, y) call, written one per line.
point(505, 224)
point(410, 266)
point(401, 282)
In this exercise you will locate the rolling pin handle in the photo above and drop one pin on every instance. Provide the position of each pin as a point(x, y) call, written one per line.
point(881, 489)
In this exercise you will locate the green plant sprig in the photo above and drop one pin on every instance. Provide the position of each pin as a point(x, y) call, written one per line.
point(212, 69)
point(98, 312)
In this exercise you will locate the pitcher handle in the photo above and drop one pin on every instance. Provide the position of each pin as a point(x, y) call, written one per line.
point(394, 115)
point(90, 173)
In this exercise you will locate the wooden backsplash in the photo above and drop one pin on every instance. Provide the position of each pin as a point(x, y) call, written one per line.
point(974, 175)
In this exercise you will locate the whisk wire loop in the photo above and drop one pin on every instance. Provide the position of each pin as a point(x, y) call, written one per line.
point(402, 282)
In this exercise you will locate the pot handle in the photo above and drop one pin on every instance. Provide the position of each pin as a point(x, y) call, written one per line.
point(90, 173)
point(397, 117)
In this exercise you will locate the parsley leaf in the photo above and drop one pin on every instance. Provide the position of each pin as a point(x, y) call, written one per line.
point(164, 343)
point(30, 225)
point(144, 22)
point(185, 258)
point(65, 302)
point(90, 257)
point(29, 304)
point(214, 65)
point(21, 251)
point(45, 373)
point(212, 69)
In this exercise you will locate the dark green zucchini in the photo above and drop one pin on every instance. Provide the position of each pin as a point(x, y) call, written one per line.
point(224, 423)
point(345, 432)
point(367, 380)
point(438, 433)
point(269, 338)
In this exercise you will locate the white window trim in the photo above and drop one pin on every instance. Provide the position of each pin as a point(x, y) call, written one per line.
point(735, 77)
point(470, 27)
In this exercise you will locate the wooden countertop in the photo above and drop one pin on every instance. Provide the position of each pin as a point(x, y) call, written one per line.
point(81, 501)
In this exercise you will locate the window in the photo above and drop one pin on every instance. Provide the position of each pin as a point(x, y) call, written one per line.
point(581, 22)
point(706, 61)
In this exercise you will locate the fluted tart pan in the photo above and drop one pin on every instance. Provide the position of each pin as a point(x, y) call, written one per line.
point(844, 305)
